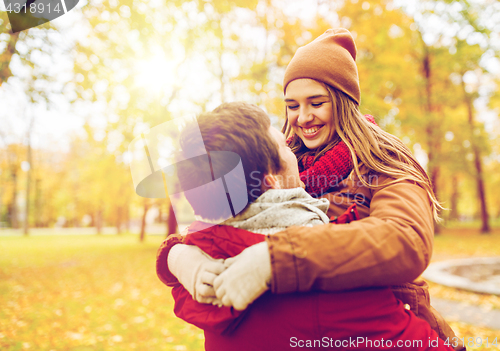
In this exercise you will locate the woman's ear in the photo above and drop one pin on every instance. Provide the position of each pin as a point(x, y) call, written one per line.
point(270, 182)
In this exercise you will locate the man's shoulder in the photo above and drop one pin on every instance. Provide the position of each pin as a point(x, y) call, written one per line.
point(221, 241)
point(201, 229)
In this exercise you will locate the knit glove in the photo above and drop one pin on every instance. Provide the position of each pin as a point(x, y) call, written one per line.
point(196, 271)
point(248, 275)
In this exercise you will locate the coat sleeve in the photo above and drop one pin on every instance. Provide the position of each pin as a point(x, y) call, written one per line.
point(162, 270)
point(391, 246)
point(205, 316)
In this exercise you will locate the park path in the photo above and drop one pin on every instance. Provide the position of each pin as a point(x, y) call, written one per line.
point(462, 312)
point(445, 273)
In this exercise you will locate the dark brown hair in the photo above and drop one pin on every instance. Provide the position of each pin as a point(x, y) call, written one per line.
point(238, 127)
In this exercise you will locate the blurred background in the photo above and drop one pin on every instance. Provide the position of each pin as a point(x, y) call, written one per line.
point(76, 91)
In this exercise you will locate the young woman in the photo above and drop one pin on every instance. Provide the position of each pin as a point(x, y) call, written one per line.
point(387, 188)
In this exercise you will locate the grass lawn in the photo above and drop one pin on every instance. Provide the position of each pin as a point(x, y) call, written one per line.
point(465, 242)
point(87, 292)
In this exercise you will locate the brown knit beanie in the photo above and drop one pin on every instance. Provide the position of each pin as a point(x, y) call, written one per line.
point(330, 59)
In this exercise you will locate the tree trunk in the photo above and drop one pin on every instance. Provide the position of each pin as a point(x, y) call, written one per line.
point(13, 204)
point(76, 220)
point(98, 220)
point(119, 214)
point(172, 225)
point(5, 72)
point(36, 207)
point(143, 221)
point(159, 219)
point(433, 144)
point(454, 199)
point(485, 225)
point(1, 197)
point(127, 217)
point(28, 186)
point(220, 33)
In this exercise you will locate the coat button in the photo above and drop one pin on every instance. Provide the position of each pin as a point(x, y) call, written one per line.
point(406, 306)
point(300, 254)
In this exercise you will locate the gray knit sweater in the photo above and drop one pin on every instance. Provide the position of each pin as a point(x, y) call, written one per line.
point(277, 209)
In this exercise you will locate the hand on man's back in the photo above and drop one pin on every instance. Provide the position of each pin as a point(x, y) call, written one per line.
point(246, 277)
point(196, 271)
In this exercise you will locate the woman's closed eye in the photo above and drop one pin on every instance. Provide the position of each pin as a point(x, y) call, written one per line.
point(318, 104)
point(292, 107)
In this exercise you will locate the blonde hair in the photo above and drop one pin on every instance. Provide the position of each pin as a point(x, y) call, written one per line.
point(378, 150)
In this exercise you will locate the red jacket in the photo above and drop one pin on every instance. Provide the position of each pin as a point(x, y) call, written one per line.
point(357, 319)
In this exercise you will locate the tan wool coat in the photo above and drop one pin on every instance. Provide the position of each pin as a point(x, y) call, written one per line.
point(390, 245)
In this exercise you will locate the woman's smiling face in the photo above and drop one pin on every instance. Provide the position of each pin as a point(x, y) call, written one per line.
point(309, 112)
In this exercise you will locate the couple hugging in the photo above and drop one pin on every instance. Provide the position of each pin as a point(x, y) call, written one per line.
point(337, 269)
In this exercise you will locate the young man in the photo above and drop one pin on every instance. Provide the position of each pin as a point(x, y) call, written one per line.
point(368, 318)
